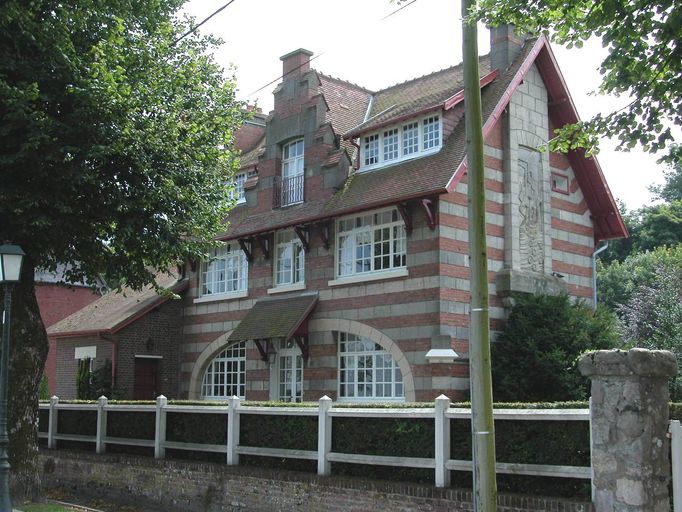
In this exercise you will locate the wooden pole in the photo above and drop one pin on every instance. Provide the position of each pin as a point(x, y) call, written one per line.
point(482, 424)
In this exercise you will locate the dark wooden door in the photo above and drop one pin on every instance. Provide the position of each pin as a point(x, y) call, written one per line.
point(146, 377)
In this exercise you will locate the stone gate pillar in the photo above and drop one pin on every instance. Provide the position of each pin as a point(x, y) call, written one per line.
point(630, 448)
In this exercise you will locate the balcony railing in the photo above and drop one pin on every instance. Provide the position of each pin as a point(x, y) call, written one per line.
point(288, 191)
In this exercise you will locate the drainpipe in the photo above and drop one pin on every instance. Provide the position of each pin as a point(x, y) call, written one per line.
point(594, 273)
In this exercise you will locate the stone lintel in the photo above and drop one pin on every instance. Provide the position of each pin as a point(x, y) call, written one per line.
point(634, 362)
point(509, 281)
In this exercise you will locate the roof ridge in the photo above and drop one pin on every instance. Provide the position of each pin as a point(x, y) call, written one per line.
point(450, 68)
point(347, 82)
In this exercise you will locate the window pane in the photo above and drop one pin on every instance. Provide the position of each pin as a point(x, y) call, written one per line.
point(410, 138)
point(431, 135)
point(371, 149)
point(391, 144)
point(225, 375)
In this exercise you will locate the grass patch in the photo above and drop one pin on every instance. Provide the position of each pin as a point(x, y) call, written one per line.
point(47, 507)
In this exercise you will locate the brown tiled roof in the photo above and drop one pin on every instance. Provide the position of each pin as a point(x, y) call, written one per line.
point(420, 177)
point(250, 158)
point(275, 317)
point(347, 105)
point(114, 310)
point(417, 94)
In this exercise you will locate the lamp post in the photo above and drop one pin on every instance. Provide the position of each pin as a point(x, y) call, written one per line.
point(11, 257)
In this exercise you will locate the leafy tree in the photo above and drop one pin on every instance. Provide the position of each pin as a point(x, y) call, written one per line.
point(535, 358)
point(644, 61)
point(115, 137)
point(652, 316)
point(671, 190)
point(618, 281)
point(660, 225)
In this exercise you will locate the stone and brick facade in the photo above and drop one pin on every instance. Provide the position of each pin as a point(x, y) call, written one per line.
point(545, 214)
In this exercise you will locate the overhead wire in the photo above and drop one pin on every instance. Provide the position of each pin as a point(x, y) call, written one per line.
point(194, 29)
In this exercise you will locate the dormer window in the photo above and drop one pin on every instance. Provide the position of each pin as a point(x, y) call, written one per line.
point(402, 142)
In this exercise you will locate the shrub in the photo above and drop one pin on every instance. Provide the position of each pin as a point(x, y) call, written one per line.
point(535, 358)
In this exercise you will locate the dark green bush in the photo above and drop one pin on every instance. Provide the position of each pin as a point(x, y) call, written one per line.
point(196, 428)
point(535, 358)
point(290, 432)
point(132, 425)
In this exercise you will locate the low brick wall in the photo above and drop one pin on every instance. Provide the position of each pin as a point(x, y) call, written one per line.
point(204, 487)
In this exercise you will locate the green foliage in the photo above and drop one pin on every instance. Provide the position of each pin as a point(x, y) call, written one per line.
point(618, 281)
point(115, 141)
point(643, 62)
point(535, 358)
point(672, 189)
point(92, 385)
point(44, 392)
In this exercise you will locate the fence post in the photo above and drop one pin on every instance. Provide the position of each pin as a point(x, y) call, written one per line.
point(442, 429)
point(160, 428)
point(324, 436)
point(100, 445)
point(676, 458)
point(52, 423)
point(233, 431)
point(629, 424)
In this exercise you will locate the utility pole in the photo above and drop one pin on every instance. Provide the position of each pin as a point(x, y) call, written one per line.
point(480, 374)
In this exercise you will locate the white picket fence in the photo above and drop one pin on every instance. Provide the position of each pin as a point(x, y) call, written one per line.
point(441, 414)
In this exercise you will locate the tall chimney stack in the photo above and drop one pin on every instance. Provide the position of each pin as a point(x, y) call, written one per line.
point(295, 63)
point(505, 45)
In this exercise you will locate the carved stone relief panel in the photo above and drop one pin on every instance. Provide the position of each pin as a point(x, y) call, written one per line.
point(531, 230)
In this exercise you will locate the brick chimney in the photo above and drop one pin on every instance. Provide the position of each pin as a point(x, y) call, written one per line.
point(295, 63)
point(505, 45)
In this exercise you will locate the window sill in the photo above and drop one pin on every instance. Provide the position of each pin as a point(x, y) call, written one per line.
point(366, 277)
point(396, 161)
point(369, 400)
point(221, 296)
point(286, 288)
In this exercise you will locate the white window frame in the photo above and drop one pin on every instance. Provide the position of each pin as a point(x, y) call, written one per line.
point(381, 144)
point(287, 239)
point(290, 353)
point(227, 259)
point(350, 241)
point(217, 376)
point(348, 363)
point(237, 192)
point(293, 165)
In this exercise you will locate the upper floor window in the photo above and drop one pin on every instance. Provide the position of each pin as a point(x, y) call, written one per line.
point(370, 243)
point(290, 259)
point(292, 159)
point(237, 192)
point(227, 272)
point(409, 140)
point(289, 188)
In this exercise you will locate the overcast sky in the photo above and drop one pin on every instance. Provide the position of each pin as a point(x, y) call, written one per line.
point(353, 40)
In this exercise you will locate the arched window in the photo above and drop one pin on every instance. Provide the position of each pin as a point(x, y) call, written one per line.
point(226, 374)
point(367, 371)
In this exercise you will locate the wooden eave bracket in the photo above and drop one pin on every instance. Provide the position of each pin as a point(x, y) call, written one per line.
point(325, 228)
point(302, 342)
point(303, 233)
point(406, 214)
point(262, 346)
point(247, 247)
point(429, 207)
point(264, 244)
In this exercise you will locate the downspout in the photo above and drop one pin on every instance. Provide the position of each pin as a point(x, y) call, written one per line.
point(357, 154)
point(594, 273)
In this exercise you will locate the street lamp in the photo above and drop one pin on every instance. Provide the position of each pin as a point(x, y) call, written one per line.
point(11, 257)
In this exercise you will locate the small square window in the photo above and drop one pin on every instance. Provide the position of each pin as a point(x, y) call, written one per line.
point(559, 183)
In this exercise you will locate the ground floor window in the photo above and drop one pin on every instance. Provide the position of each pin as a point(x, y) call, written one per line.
point(226, 374)
point(290, 372)
point(367, 371)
